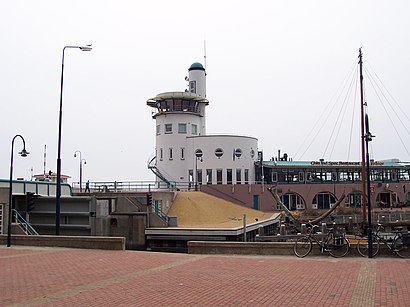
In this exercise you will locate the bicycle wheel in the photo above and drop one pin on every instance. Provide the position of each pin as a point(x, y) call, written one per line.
point(338, 247)
point(302, 247)
point(401, 249)
point(362, 246)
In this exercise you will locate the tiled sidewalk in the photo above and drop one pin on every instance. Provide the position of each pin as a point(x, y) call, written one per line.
point(72, 277)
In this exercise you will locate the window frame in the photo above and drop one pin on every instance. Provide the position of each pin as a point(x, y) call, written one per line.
point(168, 131)
point(182, 131)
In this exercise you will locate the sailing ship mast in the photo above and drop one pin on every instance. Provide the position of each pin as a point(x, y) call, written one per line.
point(363, 138)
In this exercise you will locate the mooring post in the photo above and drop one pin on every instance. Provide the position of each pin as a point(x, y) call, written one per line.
point(303, 229)
point(324, 228)
point(261, 231)
point(282, 229)
point(350, 225)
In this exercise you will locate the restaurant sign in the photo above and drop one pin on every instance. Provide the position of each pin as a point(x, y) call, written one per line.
point(344, 163)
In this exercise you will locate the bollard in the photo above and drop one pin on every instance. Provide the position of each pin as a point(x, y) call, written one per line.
point(324, 228)
point(350, 226)
point(303, 229)
point(261, 231)
point(282, 229)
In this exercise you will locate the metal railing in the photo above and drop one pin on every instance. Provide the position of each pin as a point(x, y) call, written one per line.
point(27, 228)
point(42, 188)
point(116, 186)
point(131, 186)
point(357, 218)
point(159, 212)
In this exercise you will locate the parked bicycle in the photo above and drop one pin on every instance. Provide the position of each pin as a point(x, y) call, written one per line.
point(399, 244)
point(334, 242)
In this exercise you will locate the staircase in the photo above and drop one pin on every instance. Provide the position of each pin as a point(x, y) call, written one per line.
point(152, 165)
point(24, 225)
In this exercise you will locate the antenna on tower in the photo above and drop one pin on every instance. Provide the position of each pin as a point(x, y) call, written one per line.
point(205, 55)
point(45, 159)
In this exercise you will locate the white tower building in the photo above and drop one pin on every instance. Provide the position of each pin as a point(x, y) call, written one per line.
point(178, 115)
point(184, 154)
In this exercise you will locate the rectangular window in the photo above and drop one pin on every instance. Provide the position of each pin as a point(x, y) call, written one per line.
point(168, 128)
point(194, 129)
point(161, 154)
point(182, 128)
point(192, 86)
point(182, 153)
point(394, 175)
point(219, 176)
point(238, 176)
point(170, 154)
point(246, 176)
point(209, 176)
point(229, 176)
point(301, 176)
point(274, 176)
point(158, 129)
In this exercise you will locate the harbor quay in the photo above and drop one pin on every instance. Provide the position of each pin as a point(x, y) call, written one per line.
point(39, 276)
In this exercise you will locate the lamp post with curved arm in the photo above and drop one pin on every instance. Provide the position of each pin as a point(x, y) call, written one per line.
point(81, 168)
point(23, 153)
point(60, 119)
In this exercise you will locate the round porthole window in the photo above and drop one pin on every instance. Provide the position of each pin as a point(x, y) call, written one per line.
point(198, 153)
point(219, 152)
point(252, 153)
point(238, 152)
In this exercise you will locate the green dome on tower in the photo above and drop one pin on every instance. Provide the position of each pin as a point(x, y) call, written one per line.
point(196, 66)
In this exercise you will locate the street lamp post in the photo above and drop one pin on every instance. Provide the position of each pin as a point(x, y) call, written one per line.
point(23, 153)
point(81, 168)
point(58, 191)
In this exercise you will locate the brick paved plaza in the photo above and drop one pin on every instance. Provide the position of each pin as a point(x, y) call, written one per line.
point(74, 277)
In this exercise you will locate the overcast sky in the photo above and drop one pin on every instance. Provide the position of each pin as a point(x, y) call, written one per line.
point(272, 67)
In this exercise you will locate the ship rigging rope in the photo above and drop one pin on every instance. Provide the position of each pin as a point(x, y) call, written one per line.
point(374, 85)
point(341, 116)
point(353, 116)
point(324, 114)
point(391, 96)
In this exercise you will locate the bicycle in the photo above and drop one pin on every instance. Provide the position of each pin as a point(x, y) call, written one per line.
point(334, 242)
point(399, 245)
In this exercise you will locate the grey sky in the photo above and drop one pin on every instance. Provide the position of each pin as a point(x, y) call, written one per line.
point(271, 67)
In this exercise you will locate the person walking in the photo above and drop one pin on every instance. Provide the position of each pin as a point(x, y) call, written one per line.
point(87, 186)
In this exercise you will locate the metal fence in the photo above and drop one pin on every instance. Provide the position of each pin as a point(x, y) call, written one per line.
point(129, 186)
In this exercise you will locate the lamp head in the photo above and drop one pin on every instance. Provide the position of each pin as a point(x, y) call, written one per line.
point(24, 153)
point(75, 155)
point(86, 48)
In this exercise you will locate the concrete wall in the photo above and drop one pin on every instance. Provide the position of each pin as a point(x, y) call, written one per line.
point(132, 227)
point(264, 248)
point(120, 215)
point(164, 199)
point(112, 243)
point(240, 248)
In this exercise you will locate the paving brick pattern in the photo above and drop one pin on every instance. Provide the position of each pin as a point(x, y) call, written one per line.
point(71, 277)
